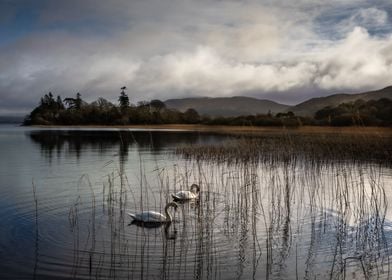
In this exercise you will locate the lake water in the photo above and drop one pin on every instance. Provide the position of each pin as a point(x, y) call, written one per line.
point(65, 195)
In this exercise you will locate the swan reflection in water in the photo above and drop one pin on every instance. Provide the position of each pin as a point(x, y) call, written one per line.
point(169, 234)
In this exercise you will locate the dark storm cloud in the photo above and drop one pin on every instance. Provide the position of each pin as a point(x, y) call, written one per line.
point(280, 50)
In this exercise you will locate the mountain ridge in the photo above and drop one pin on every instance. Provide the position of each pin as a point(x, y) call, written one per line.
point(310, 106)
point(243, 105)
point(226, 106)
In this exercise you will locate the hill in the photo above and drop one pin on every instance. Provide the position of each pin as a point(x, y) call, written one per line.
point(311, 106)
point(227, 106)
point(11, 119)
point(237, 106)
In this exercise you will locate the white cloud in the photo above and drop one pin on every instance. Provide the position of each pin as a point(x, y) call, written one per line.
point(204, 71)
point(359, 61)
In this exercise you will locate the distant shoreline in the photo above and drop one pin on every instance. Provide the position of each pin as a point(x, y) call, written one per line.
point(241, 129)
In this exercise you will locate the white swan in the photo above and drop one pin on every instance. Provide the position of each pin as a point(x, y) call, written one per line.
point(154, 217)
point(187, 195)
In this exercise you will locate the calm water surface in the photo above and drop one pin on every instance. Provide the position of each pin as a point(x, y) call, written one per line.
point(64, 195)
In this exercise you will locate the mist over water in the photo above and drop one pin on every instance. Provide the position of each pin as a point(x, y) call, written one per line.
point(291, 212)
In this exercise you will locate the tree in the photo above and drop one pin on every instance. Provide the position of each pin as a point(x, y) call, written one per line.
point(47, 101)
point(191, 116)
point(78, 101)
point(123, 99)
point(59, 103)
point(289, 114)
point(157, 105)
point(47, 112)
point(74, 103)
point(102, 104)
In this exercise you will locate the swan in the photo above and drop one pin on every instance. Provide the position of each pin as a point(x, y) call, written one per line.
point(154, 217)
point(187, 195)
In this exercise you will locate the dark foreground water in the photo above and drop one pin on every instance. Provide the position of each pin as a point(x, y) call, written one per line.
point(64, 195)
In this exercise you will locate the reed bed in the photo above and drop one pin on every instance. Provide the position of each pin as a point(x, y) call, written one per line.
point(290, 146)
point(328, 188)
point(278, 206)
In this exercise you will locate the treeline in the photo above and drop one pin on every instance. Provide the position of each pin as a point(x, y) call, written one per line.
point(75, 111)
point(360, 112)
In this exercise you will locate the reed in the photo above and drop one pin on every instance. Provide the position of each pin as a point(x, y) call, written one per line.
point(274, 206)
point(349, 203)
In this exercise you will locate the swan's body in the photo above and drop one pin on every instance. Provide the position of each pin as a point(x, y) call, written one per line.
point(187, 195)
point(154, 217)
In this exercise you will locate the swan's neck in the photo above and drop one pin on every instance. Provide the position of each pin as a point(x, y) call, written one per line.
point(168, 216)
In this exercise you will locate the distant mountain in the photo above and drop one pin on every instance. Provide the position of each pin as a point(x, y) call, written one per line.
point(11, 119)
point(237, 106)
point(311, 106)
point(226, 106)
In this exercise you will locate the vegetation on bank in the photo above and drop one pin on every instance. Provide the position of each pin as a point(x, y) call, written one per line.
point(75, 111)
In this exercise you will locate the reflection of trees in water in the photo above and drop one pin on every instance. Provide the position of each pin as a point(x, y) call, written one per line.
point(75, 142)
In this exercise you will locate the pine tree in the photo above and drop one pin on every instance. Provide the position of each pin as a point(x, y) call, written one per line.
point(123, 99)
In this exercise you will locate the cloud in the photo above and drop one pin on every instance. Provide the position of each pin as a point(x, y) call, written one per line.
point(368, 18)
point(204, 71)
point(359, 61)
point(164, 49)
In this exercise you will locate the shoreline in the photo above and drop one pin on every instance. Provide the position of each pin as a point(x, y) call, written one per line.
point(239, 129)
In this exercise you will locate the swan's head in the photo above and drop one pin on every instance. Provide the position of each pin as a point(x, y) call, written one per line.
point(195, 188)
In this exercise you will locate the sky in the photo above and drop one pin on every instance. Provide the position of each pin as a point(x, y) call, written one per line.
point(286, 51)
